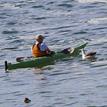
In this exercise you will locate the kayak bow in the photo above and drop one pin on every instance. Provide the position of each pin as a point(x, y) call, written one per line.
point(43, 61)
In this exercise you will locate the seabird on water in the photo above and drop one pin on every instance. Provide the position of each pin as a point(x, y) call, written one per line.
point(90, 55)
point(27, 100)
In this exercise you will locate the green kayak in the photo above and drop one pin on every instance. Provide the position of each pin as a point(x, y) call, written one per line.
point(43, 61)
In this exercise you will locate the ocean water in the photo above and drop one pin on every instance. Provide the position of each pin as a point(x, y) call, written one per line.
point(64, 23)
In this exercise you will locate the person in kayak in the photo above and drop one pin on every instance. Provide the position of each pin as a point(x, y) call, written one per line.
point(40, 49)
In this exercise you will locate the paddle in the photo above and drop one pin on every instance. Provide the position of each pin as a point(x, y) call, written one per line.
point(19, 59)
point(65, 51)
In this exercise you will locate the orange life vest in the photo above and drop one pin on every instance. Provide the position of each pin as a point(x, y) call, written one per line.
point(36, 52)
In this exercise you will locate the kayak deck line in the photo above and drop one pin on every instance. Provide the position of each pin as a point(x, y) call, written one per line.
point(43, 61)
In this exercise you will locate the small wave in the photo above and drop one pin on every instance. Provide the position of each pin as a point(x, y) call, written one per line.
point(99, 41)
point(98, 21)
point(1, 66)
point(39, 6)
point(8, 6)
point(40, 18)
point(28, 37)
point(66, 5)
point(12, 48)
point(61, 73)
point(55, 13)
point(50, 2)
point(91, 1)
point(9, 32)
point(80, 32)
point(11, 23)
point(99, 63)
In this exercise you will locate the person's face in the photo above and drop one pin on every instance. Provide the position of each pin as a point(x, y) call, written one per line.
point(40, 40)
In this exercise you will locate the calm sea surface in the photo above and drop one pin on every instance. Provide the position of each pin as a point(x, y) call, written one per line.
point(64, 23)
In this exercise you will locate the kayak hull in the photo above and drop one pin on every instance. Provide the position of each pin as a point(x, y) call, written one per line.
point(43, 61)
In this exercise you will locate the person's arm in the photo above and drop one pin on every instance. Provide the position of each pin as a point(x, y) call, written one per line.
point(44, 47)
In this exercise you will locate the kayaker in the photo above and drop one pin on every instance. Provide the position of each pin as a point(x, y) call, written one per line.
point(40, 49)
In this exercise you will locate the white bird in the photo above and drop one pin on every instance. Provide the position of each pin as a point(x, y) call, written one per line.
point(90, 55)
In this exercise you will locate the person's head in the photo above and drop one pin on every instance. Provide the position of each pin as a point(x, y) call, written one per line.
point(39, 38)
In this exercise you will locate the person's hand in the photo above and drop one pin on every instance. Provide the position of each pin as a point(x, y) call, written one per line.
point(51, 53)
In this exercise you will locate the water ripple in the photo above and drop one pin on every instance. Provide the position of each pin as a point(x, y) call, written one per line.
point(11, 23)
point(80, 32)
point(92, 1)
point(38, 6)
point(102, 20)
point(8, 6)
point(72, 82)
point(65, 5)
point(100, 63)
point(98, 106)
point(9, 32)
point(40, 18)
point(60, 73)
